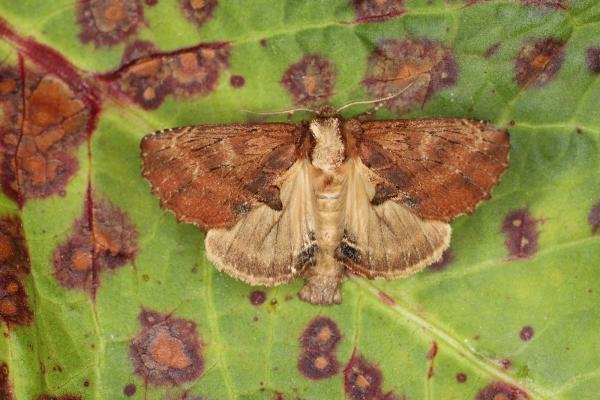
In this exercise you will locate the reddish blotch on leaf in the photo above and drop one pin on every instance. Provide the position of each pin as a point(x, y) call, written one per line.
point(102, 238)
point(43, 121)
point(592, 58)
point(5, 388)
point(257, 297)
point(198, 11)
point(444, 262)
point(594, 218)
point(14, 269)
point(321, 334)
point(547, 4)
point(377, 10)
point(62, 397)
point(149, 79)
point(521, 232)
point(501, 391)
point(363, 380)
point(167, 351)
point(539, 61)
point(315, 364)
point(318, 342)
point(310, 81)
point(526, 333)
point(414, 68)
point(108, 22)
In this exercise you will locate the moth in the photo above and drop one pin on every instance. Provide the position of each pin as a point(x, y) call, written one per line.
point(280, 201)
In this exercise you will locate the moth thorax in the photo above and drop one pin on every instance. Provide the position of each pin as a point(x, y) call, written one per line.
point(328, 153)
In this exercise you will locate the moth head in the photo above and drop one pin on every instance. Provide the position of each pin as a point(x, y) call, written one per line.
point(328, 153)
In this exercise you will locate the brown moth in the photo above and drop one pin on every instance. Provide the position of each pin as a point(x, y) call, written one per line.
point(279, 200)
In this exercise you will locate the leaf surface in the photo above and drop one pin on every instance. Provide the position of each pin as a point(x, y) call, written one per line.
point(122, 300)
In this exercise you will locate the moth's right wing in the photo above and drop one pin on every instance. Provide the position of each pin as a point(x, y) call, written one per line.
point(211, 175)
point(439, 168)
point(269, 247)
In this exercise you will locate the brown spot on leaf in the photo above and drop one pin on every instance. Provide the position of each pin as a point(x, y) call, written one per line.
point(107, 22)
point(63, 397)
point(443, 262)
point(461, 377)
point(149, 79)
point(185, 395)
point(469, 3)
point(594, 218)
point(129, 389)
point(237, 81)
point(592, 58)
point(5, 389)
point(14, 268)
point(103, 238)
point(521, 233)
point(377, 10)
point(38, 138)
point(386, 298)
point(316, 364)
point(310, 81)
point(414, 68)
point(526, 333)
point(168, 350)
point(258, 297)
point(501, 391)
point(362, 380)
point(490, 51)
point(151, 2)
point(137, 50)
point(198, 11)
point(321, 334)
point(431, 354)
point(546, 4)
point(14, 257)
point(538, 62)
point(14, 308)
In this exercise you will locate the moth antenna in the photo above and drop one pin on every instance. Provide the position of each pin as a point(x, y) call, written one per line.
point(381, 100)
point(291, 111)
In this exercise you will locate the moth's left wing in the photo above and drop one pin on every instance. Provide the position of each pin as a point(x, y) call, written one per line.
point(211, 175)
point(269, 247)
point(386, 240)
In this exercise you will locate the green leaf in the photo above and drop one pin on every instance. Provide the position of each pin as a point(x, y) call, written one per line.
point(155, 320)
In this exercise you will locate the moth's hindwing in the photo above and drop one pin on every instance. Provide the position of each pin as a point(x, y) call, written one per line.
point(270, 247)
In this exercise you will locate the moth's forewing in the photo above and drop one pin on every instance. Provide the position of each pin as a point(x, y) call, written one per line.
point(438, 168)
point(210, 175)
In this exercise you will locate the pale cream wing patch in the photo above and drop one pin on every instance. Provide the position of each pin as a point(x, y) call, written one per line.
point(386, 240)
point(269, 247)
